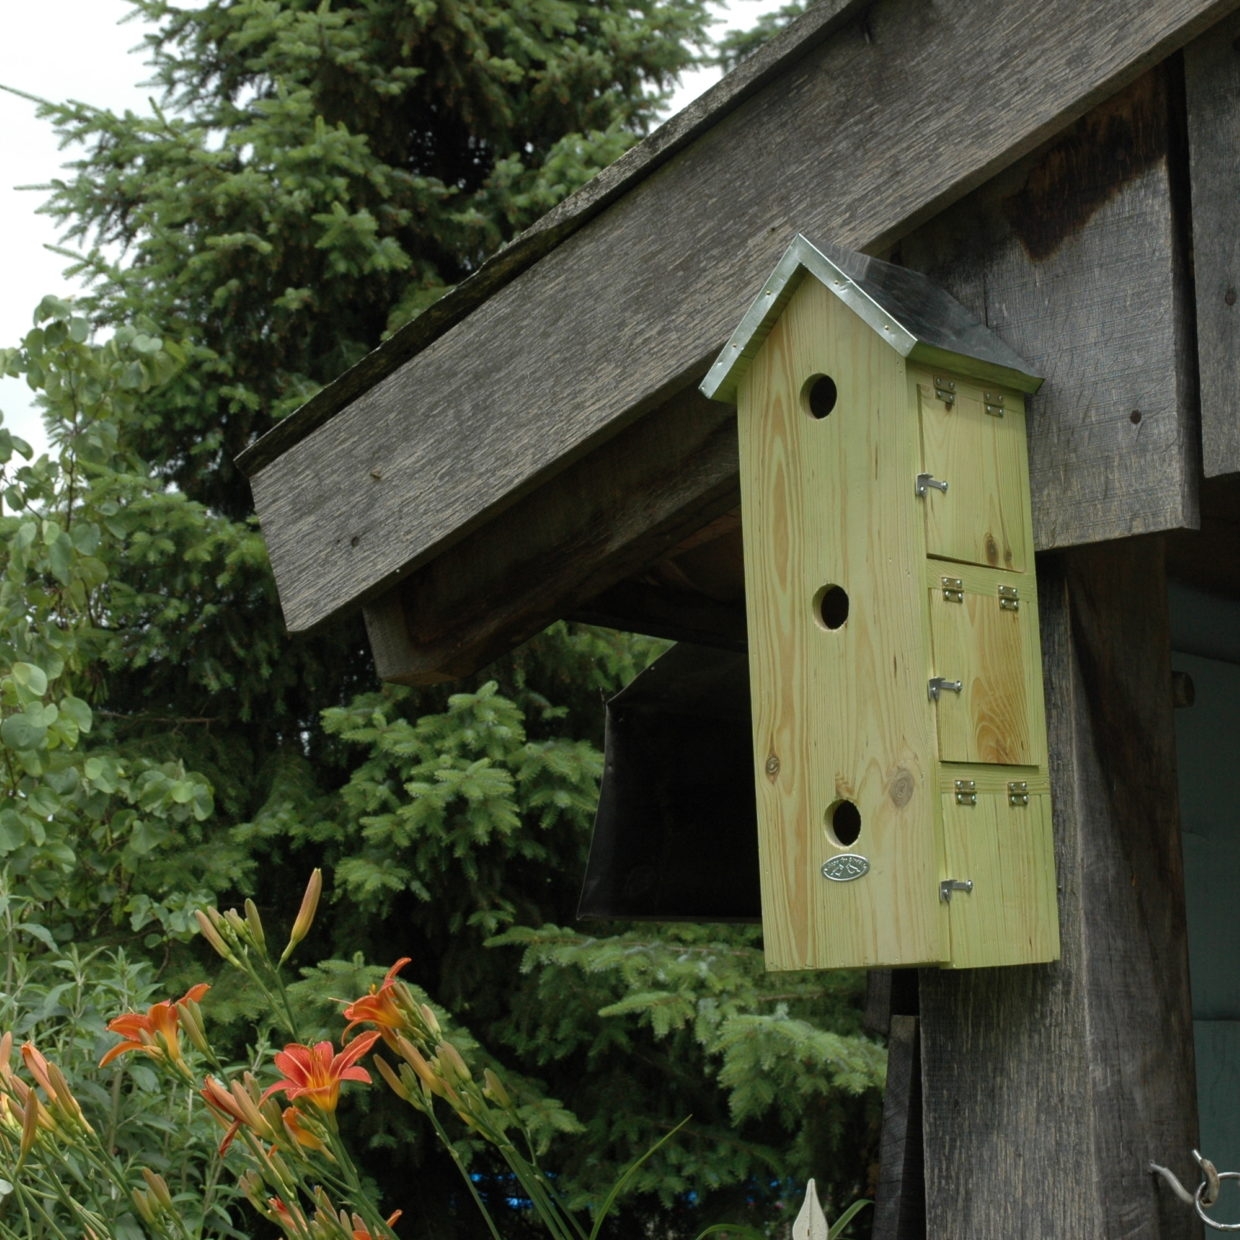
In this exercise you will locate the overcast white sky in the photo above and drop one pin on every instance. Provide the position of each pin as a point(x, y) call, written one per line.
point(80, 49)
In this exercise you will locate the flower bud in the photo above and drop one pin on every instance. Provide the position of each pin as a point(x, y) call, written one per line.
point(395, 1084)
point(455, 1067)
point(206, 927)
point(494, 1089)
point(30, 1123)
point(158, 1186)
point(142, 1203)
point(254, 922)
point(305, 915)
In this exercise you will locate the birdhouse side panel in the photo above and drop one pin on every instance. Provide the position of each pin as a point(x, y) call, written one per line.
point(834, 556)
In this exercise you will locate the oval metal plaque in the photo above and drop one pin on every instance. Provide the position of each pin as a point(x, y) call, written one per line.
point(845, 867)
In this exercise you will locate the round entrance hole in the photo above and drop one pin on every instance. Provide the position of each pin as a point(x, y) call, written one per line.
point(819, 395)
point(843, 821)
point(831, 607)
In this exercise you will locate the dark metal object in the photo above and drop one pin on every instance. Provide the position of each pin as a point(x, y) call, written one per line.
point(676, 836)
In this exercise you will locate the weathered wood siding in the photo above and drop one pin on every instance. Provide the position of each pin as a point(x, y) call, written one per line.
point(1212, 90)
point(890, 120)
point(1049, 1088)
point(602, 518)
point(1076, 258)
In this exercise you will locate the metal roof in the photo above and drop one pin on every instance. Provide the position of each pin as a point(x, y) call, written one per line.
point(917, 318)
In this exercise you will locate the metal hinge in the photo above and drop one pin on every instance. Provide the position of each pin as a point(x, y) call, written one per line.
point(966, 792)
point(926, 481)
point(953, 589)
point(1009, 598)
point(994, 404)
point(945, 390)
point(1018, 792)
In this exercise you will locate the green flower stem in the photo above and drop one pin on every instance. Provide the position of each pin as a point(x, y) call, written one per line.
point(357, 1196)
point(446, 1142)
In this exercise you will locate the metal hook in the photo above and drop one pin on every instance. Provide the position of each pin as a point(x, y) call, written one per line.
point(1207, 1191)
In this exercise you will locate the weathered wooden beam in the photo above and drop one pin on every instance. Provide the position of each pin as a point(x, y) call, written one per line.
point(1212, 92)
point(869, 133)
point(1048, 1089)
point(604, 517)
point(900, 1199)
point(1075, 257)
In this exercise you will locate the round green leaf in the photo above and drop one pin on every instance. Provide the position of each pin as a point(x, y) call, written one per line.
point(22, 732)
point(30, 677)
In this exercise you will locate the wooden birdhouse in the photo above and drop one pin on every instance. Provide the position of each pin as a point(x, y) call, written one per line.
point(899, 733)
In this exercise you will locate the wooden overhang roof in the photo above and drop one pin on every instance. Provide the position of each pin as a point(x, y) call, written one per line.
point(536, 437)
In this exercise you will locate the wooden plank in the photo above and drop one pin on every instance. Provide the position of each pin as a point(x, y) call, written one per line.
point(628, 308)
point(985, 518)
point(1075, 259)
point(560, 546)
point(899, 1202)
point(843, 731)
point(997, 715)
point(1212, 94)
point(1047, 1089)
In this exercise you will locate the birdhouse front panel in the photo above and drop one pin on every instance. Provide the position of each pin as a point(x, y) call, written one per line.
point(837, 646)
point(895, 672)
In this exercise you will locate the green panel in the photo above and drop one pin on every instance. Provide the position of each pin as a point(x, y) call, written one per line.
point(1208, 755)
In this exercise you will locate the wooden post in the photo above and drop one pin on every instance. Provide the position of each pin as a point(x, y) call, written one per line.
point(1049, 1088)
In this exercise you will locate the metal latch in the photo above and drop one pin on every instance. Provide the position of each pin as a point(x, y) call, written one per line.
point(948, 885)
point(953, 589)
point(939, 683)
point(1009, 598)
point(966, 792)
point(994, 404)
point(1018, 792)
point(926, 481)
point(945, 390)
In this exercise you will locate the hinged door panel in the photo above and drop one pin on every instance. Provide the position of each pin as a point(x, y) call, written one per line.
point(985, 687)
point(999, 858)
point(973, 439)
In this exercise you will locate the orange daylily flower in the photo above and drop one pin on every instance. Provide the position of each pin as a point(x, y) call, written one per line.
point(314, 1073)
point(155, 1032)
point(379, 1007)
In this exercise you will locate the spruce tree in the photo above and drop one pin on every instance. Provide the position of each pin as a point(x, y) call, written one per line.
point(315, 173)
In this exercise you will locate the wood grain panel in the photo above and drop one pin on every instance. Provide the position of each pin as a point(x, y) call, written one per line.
point(1005, 850)
point(862, 138)
point(840, 713)
point(1212, 90)
point(983, 518)
point(996, 716)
